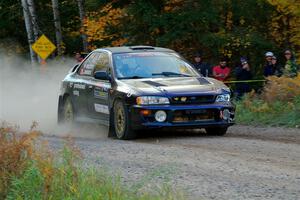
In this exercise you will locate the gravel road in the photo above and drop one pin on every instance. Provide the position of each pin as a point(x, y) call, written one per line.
point(247, 163)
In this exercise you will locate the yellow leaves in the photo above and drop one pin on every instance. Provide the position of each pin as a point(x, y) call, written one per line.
point(242, 21)
point(283, 89)
point(172, 5)
point(285, 24)
point(119, 42)
point(96, 27)
point(229, 21)
point(236, 42)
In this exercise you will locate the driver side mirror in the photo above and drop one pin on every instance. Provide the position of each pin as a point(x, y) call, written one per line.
point(101, 75)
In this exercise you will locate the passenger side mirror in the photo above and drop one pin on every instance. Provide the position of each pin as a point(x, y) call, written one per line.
point(101, 75)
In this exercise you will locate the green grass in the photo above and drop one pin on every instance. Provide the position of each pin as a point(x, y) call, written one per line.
point(66, 178)
point(259, 113)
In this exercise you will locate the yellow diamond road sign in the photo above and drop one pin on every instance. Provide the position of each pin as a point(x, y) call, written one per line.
point(43, 47)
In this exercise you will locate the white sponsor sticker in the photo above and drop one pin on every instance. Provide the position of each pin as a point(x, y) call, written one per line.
point(79, 86)
point(76, 93)
point(101, 108)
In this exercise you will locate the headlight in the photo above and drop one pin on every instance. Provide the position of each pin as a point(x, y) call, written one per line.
point(147, 100)
point(223, 98)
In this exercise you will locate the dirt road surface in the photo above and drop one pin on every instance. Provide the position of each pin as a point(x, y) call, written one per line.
point(247, 163)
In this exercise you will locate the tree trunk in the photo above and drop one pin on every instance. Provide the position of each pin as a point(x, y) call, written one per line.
point(33, 18)
point(57, 25)
point(82, 18)
point(29, 30)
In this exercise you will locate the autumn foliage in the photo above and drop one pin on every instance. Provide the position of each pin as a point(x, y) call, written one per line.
point(15, 152)
point(281, 89)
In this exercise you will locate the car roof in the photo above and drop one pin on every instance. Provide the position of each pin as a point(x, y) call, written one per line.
point(131, 49)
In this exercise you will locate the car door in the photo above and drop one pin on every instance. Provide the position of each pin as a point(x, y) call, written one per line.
point(79, 85)
point(98, 90)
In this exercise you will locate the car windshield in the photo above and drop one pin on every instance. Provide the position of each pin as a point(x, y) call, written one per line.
point(151, 65)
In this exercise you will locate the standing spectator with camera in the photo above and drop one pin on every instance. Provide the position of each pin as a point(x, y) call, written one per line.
point(243, 73)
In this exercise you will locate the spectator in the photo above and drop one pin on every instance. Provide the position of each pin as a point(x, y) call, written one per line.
point(290, 68)
point(278, 70)
point(203, 68)
point(243, 73)
point(271, 68)
point(221, 72)
point(78, 57)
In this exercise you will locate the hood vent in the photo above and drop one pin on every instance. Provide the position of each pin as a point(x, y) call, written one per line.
point(155, 84)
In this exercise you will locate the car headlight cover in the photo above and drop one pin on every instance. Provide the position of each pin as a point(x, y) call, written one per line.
point(223, 98)
point(148, 100)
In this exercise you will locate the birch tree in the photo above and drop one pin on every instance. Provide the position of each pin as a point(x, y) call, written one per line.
point(57, 25)
point(33, 18)
point(29, 29)
point(82, 18)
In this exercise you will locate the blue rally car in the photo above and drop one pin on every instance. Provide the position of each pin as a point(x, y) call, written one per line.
point(143, 87)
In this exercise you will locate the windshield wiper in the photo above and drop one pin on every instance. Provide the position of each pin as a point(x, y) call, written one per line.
point(170, 74)
point(132, 77)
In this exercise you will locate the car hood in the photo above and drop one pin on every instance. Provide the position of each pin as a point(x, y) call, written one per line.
point(176, 86)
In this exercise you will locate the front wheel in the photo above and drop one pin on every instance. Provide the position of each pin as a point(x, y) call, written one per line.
point(121, 122)
point(217, 131)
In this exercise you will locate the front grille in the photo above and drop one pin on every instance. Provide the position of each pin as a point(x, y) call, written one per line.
point(193, 99)
point(195, 115)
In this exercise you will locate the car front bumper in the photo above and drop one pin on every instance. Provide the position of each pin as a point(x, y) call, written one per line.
point(185, 116)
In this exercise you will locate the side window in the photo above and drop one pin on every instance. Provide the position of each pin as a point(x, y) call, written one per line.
point(102, 62)
point(88, 65)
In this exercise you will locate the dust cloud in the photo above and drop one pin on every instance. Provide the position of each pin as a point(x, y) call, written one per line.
point(30, 93)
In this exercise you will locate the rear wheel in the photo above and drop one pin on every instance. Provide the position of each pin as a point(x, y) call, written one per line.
point(68, 111)
point(121, 124)
point(217, 131)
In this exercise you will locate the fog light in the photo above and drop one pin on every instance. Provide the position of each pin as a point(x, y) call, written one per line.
point(160, 116)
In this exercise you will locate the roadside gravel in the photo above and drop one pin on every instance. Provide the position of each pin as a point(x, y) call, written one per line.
point(247, 163)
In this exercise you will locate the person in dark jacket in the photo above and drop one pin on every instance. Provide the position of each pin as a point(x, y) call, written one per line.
point(268, 69)
point(243, 73)
point(271, 68)
point(203, 68)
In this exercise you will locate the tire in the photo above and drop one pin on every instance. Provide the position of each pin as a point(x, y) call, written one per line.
point(59, 111)
point(218, 131)
point(121, 124)
point(111, 128)
point(68, 114)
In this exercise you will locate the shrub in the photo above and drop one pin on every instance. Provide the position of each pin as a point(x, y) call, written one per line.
point(279, 104)
point(281, 89)
point(15, 151)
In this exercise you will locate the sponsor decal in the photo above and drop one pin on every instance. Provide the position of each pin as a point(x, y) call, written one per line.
point(101, 108)
point(76, 93)
point(100, 93)
point(130, 92)
point(79, 86)
point(103, 85)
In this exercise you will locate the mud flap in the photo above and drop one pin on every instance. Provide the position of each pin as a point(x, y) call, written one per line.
point(60, 110)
